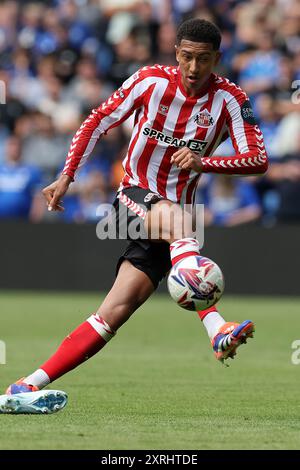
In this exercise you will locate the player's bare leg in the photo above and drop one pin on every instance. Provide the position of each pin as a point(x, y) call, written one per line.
point(131, 289)
point(168, 221)
point(174, 225)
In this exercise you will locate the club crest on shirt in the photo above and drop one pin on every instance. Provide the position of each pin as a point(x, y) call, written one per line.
point(204, 119)
point(163, 109)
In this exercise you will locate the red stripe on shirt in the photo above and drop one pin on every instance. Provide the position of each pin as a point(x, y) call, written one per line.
point(191, 190)
point(200, 134)
point(151, 144)
point(220, 124)
point(179, 130)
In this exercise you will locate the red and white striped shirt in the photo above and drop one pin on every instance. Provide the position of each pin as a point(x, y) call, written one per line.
point(165, 119)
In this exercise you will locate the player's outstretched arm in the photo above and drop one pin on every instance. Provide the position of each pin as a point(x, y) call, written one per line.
point(116, 109)
point(250, 154)
point(55, 191)
point(253, 162)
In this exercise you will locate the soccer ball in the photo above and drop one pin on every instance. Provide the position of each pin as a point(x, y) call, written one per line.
point(195, 283)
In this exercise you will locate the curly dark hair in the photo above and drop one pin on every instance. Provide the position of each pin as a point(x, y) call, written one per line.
point(198, 30)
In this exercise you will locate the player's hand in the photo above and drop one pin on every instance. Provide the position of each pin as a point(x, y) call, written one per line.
point(185, 159)
point(55, 191)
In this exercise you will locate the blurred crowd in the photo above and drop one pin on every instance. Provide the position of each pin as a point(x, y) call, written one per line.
point(61, 58)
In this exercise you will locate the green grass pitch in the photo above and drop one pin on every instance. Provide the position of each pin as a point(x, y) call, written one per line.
point(157, 384)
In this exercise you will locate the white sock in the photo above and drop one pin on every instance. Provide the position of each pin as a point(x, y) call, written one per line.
point(213, 322)
point(39, 379)
point(183, 248)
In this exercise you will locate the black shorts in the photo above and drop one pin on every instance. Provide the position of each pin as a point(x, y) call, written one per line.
point(151, 257)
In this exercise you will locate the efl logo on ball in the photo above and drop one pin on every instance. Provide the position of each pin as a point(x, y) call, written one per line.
point(196, 283)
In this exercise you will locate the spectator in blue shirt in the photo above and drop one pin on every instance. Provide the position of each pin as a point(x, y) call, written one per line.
point(230, 201)
point(262, 71)
point(18, 183)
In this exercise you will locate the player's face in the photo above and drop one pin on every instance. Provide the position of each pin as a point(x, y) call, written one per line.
point(196, 62)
